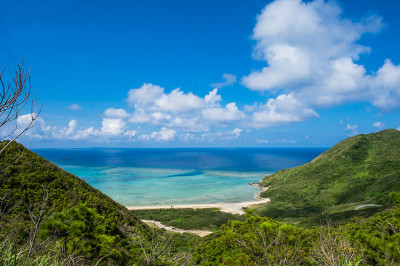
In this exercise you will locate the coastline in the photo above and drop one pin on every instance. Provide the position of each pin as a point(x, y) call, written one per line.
point(234, 208)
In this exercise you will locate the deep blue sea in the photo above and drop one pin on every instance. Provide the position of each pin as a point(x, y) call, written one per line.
point(144, 177)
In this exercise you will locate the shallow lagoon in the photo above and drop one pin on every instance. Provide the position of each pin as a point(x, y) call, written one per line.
point(143, 177)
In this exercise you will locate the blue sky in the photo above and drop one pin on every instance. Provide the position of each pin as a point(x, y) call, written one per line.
point(205, 73)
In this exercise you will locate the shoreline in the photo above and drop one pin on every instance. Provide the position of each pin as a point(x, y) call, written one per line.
point(234, 208)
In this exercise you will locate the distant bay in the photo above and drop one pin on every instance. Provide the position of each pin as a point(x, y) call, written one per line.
point(143, 177)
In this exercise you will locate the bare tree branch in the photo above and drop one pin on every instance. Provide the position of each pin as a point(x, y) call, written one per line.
point(13, 98)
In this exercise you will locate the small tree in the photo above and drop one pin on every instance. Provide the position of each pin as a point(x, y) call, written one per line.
point(156, 247)
point(13, 98)
point(332, 248)
point(75, 228)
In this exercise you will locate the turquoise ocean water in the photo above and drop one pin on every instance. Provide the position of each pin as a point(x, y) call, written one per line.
point(143, 177)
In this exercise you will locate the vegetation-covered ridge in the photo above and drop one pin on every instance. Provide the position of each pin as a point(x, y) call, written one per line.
point(46, 209)
point(353, 178)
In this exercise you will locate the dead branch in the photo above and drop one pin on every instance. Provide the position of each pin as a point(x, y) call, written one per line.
point(13, 98)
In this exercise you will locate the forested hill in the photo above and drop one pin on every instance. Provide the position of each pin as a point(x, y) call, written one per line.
point(28, 181)
point(357, 171)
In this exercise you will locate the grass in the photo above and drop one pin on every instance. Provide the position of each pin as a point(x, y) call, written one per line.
point(189, 219)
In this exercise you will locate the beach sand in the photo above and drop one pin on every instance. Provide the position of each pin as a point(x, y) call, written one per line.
point(234, 208)
point(200, 233)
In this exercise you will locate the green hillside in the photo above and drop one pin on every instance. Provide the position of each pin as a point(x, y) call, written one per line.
point(78, 223)
point(357, 171)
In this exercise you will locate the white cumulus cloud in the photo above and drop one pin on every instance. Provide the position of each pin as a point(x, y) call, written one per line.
point(161, 116)
point(180, 110)
point(115, 113)
point(72, 125)
point(311, 51)
point(144, 95)
point(282, 110)
point(178, 101)
point(112, 127)
point(86, 133)
point(229, 113)
point(165, 134)
point(386, 87)
point(140, 116)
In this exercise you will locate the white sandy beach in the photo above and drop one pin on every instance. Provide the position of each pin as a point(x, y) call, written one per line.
point(234, 208)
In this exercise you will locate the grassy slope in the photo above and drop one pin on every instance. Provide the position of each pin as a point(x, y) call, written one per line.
point(189, 219)
point(28, 175)
point(359, 170)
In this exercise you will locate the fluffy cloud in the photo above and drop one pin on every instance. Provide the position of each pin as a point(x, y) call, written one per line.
point(298, 40)
point(288, 66)
point(282, 110)
point(116, 113)
point(181, 110)
point(229, 79)
point(192, 124)
point(86, 133)
point(346, 82)
point(220, 114)
point(152, 97)
point(178, 101)
point(112, 127)
point(311, 51)
point(70, 132)
point(144, 95)
point(71, 127)
point(212, 99)
point(165, 134)
point(140, 116)
point(161, 116)
point(386, 87)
